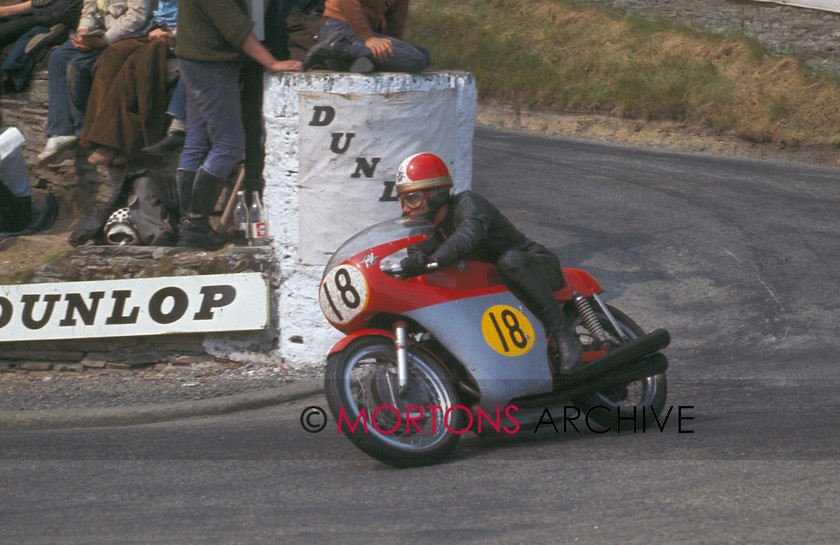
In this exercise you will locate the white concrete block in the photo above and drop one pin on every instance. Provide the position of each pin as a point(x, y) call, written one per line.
point(387, 128)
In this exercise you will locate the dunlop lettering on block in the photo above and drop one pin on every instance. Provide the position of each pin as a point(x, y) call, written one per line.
point(144, 306)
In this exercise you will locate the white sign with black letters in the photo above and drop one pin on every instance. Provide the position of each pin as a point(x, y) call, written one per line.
point(140, 306)
point(352, 146)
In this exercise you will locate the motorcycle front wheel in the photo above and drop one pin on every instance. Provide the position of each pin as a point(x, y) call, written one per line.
point(636, 404)
point(419, 425)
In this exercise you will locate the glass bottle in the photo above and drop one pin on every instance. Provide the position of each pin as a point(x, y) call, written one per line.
point(258, 222)
point(240, 218)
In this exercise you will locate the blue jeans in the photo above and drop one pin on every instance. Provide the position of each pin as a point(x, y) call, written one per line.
point(215, 136)
point(407, 58)
point(71, 75)
point(178, 102)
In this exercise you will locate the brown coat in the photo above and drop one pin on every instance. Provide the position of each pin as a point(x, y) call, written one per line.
point(126, 109)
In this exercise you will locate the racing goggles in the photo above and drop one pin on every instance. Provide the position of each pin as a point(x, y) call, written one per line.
point(414, 199)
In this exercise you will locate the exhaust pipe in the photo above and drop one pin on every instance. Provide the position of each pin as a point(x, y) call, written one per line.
point(628, 363)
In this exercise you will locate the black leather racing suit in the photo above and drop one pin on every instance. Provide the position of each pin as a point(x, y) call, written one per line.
point(474, 228)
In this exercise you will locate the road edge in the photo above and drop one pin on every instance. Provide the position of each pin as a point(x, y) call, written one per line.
point(56, 419)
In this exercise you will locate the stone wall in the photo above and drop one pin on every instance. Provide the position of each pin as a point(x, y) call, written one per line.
point(80, 188)
point(121, 262)
point(812, 34)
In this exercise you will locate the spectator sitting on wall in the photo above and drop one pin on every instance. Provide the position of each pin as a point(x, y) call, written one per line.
point(15, 21)
point(44, 23)
point(126, 110)
point(71, 67)
point(349, 38)
point(214, 37)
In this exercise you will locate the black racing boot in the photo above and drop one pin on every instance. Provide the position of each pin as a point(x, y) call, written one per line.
point(195, 229)
point(564, 348)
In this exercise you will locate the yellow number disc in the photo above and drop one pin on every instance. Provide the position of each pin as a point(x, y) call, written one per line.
point(507, 331)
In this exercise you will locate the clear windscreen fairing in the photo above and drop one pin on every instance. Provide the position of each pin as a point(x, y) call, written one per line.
point(381, 233)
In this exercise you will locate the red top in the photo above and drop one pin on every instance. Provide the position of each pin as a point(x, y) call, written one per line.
point(364, 16)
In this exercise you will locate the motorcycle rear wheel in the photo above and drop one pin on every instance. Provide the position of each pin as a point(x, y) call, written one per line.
point(361, 389)
point(627, 407)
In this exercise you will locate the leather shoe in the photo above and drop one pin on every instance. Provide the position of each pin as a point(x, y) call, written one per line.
point(171, 143)
point(333, 47)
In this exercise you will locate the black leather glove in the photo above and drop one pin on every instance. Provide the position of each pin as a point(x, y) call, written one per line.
point(415, 264)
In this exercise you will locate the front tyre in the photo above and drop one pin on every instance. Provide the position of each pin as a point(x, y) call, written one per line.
point(632, 404)
point(402, 429)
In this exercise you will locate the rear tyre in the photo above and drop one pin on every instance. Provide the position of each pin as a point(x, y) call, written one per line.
point(398, 429)
point(633, 405)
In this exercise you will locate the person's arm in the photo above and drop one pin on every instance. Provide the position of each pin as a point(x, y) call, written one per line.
point(354, 14)
point(16, 9)
point(134, 18)
point(257, 51)
point(86, 21)
point(471, 219)
point(395, 17)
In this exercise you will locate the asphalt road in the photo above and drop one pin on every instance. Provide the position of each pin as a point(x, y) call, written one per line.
point(737, 259)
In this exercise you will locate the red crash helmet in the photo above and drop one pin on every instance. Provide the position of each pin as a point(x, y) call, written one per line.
point(422, 171)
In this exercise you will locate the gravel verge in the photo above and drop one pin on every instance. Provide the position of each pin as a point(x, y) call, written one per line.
point(105, 388)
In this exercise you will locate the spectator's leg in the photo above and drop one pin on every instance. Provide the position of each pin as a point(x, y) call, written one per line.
point(59, 122)
point(214, 127)
point(178, 102)
point(79, 78)
point(109, 90)
point(407, 58)
point(338, 41)
point(14, 27)
point(213, 92)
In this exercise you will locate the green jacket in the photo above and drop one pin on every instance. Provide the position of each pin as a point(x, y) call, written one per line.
point(212, 30)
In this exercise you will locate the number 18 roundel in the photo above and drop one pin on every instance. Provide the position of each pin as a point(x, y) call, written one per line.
point(344, 294)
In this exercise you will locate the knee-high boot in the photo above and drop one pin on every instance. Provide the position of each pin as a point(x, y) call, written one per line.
point(564, 347)
point(183, 186)
point(195, 229)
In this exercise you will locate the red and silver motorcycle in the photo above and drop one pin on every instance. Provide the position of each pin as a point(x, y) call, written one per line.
point(428, 358)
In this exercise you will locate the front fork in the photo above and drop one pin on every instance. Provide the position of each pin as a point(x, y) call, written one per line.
point(401, 347)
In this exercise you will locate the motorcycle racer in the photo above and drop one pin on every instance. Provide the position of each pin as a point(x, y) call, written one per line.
point(467, 224)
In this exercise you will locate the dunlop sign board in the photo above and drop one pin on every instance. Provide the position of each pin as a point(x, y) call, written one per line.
point(142, 306)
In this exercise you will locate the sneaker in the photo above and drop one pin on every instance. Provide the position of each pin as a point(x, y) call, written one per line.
point(54, 148)
point(45, 38)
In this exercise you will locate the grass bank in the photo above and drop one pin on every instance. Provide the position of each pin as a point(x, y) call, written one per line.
point(582, 59)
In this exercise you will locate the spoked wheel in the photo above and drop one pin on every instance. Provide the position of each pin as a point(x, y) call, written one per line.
point(400, 428)
point(639, 399)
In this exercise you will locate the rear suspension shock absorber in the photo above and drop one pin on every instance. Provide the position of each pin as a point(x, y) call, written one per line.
point(590, 320)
